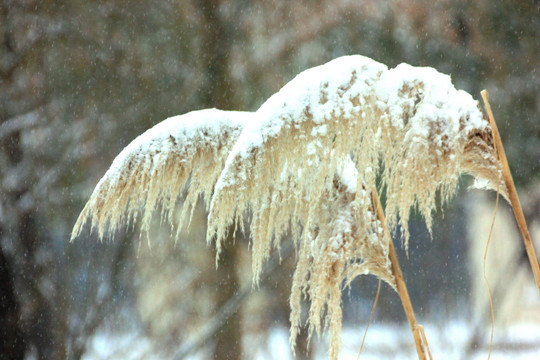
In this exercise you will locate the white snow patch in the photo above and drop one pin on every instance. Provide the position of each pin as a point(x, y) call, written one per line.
point(519, 341)
point(183, 129)
point(303, 94)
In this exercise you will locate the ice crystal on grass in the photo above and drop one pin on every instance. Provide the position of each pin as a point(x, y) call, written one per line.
point(285, 160)
point(408, 123)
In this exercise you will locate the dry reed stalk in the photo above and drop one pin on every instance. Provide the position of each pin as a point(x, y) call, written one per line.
point(512, 192)
point(490, 294)
point(370, 318)
point(417, 330)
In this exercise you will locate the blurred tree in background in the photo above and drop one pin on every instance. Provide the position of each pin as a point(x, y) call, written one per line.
point(79, 80)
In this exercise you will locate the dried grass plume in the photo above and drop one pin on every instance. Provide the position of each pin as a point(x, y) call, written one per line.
point(156, 168)
point(302, 164)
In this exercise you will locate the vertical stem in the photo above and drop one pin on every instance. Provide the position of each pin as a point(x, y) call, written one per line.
point(512, 192)
point(417, 330)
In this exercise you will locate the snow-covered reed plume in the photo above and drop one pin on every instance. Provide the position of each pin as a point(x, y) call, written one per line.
point(434, 133)
point(304, 163)
point(347, 241)
point(155, 169)
point(409, 125)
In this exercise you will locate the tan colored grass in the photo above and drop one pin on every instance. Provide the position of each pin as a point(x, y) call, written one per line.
point(157, 167)
point(346, 242)
point(510, 192)
point(302, 165)
point(409, 126)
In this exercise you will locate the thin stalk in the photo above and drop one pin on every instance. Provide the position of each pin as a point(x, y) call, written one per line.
point(417, 330)
point(512, 192)
point(370, 318)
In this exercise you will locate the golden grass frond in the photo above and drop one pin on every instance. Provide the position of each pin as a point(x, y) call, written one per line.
point(346, 242)
point(407, 125)
point(438, 133)
point(286, 158)
point(305, 163)
point(156, 167)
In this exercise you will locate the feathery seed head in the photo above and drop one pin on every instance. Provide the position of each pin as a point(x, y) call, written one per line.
point(303, 164)
point(156, 167)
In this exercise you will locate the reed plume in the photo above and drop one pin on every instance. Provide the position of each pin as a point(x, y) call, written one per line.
point(408, 125)
point(345, 243)
point(156, 168)
point(305, 164)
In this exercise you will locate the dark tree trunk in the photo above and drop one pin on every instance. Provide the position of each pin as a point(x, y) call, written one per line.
point(26, 313)
point(229, 338)
point(218, 92)
point(12, 345)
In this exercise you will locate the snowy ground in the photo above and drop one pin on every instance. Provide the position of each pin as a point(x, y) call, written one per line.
point(448, 342)
point(384, 341)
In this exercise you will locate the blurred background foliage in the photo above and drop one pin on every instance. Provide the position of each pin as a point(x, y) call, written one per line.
point(80, 79)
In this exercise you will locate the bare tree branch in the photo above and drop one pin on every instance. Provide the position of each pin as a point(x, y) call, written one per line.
point(21, 122)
